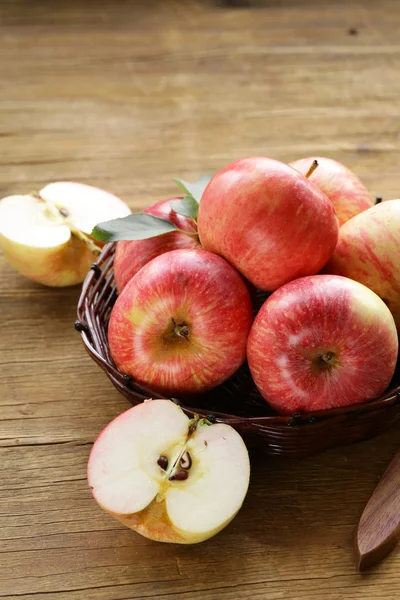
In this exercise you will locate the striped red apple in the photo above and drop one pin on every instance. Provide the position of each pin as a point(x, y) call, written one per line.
point(132, 255)
point(180, 325)
point(268, 221)
point(348, 195)
point(322, 342)
point(368, 251)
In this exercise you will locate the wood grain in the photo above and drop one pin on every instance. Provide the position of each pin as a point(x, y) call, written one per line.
point(126, 96)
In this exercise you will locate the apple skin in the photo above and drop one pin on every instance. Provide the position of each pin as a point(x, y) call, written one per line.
point(268, 221)
point(348, 195)
point(62, 266)
point(131, 256)
point(193, 289)
point(321, 342)
point(153, 523)
point(368, 251)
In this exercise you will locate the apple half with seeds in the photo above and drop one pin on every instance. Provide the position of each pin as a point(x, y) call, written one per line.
point(168, 477)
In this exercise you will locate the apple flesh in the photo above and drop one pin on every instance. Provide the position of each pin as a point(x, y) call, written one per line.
point(322, 342)
point(348, 195)
point(46, 237)
point(180, 325)
point(131, 256)
point(368, 251)
point(268, 221)
point(169, 478)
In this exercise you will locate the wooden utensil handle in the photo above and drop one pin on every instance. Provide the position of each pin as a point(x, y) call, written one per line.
point(379, 528)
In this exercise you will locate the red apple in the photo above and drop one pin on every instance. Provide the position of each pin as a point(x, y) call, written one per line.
point(268, 221)
point(348, 195)
point(168, 477)
point(180, 326)
point(368, 251)
point(130, 256)
point(320, 342)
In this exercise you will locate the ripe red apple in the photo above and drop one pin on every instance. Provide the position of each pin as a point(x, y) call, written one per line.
point(130, 256)
point(169, 478)
point(348, 195)
point(180, 325)
point(368, 251)
point(268, 221)
point(46, 236)
point(320, 342)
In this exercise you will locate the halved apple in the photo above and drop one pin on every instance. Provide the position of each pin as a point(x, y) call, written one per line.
point(46, 236)
point(168, 477)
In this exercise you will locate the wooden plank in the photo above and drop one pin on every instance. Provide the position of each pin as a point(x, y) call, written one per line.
point(126, 96)
point(67, 544)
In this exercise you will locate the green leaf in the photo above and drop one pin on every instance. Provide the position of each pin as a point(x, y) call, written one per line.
point(188, 207)
point(194, 189)
point(138, 226)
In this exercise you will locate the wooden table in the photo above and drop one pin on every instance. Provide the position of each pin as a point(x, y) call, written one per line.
point(125, 96)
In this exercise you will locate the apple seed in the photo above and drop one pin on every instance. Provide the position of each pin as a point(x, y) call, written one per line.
point(179, 476)
point(163, 462)
point(186, 461)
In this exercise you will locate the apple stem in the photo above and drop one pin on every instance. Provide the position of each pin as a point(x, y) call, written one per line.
point(61, 212)
point(192, 233)
point(312, 168)
point(193, 426)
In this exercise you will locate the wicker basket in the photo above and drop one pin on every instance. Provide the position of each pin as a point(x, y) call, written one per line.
point(237, 402)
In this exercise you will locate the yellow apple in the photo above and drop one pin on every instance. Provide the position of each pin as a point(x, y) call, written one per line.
point(46, 236)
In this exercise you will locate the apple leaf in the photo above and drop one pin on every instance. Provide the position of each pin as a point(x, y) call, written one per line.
point(195, 190)
point(138, 226)
point(188, 207)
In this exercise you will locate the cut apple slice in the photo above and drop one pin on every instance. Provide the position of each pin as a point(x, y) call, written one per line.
point(87, 205)
point(46, 237)
point(170, 478)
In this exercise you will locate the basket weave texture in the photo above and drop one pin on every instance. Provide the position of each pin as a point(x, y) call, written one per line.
point(236, 402)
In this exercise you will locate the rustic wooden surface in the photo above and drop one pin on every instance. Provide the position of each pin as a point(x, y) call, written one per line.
point(126, 95)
